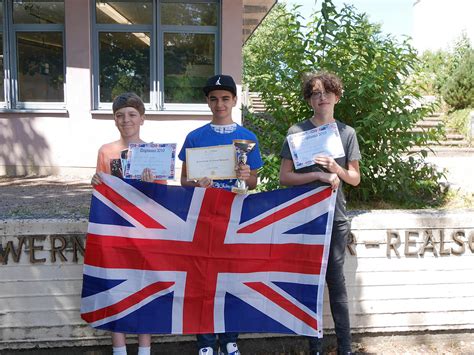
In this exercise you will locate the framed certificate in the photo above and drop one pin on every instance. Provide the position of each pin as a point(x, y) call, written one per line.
point(160, 158)
point(217, 162)
point(320, 141)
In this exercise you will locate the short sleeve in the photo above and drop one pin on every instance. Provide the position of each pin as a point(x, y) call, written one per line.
point(255, 158)
point(285, 150)
point(102, 163)
point(182, 152)
point(353, 151)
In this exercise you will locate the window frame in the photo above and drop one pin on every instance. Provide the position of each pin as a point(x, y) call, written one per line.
point(156, 68)
point(10, 58)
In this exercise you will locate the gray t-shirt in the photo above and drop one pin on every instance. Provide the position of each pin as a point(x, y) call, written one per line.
point(351, 150)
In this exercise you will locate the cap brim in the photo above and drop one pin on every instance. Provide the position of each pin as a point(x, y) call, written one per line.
point(208, 89)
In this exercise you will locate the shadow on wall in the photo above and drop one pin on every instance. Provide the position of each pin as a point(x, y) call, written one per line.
point(23, 150)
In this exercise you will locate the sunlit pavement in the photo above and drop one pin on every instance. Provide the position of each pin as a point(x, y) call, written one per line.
point(460, 167)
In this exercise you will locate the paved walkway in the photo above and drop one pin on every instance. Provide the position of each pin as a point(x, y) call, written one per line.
point(460, 167)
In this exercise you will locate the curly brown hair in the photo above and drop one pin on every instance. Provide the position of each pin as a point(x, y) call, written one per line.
point(330, 81)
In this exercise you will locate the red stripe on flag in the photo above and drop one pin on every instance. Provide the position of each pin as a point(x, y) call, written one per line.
point(128, 207)
point(162, 255)
point(126, 302)
point(287, 211)
point(279, 300)
point(198, 308)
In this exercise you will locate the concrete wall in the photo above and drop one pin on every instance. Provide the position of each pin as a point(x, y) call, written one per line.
point(66, 143)
point(405, 271)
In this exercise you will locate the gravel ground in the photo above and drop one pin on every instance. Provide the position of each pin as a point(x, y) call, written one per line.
point(69, 196)
point(44, 197)
point(433, 343)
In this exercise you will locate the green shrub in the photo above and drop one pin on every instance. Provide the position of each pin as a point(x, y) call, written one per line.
point(377, 100)
point(458, 92)
point(437, 69)
point(459, 121)
point(433, 72)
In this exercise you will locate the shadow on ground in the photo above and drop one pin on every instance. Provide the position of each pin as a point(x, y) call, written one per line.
point(44, 197)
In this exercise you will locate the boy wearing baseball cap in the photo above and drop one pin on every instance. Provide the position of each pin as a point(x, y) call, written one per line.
point(221, 96)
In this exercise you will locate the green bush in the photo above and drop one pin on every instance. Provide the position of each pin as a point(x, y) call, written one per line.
point(377, 100)
point(459, 121)
point(437, 68)
point(433, 72)
point(458, 92)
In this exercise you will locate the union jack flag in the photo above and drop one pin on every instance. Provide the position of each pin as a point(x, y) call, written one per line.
point(176, 260)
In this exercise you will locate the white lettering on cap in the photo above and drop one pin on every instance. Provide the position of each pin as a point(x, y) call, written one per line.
point(218, 82)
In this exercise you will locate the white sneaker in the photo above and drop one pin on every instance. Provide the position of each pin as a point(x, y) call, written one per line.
point(206, 351)
point(232, 349)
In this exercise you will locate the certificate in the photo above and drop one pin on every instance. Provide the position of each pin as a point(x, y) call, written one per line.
point(217, 162)
point(320, 141)
point(160, 158)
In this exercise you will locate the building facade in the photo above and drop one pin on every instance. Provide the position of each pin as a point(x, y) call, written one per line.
point(65, 60)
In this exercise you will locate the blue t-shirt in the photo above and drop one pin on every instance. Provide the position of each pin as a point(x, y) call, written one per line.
point(205, 136)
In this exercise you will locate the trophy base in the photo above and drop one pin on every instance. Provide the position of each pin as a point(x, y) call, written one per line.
point(240, 190)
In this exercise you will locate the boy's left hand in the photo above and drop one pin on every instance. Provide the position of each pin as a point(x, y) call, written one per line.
point(328, 163)
point(147, 175)
point(243, 172)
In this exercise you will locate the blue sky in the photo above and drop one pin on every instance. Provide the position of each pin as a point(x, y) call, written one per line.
point(395, 16)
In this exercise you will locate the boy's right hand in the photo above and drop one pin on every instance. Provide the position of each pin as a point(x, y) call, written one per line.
point(204, 182)
point(96, 180)
point(330, 178)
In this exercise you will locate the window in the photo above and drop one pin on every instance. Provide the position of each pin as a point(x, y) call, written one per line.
point(32, 36)
point(164, 50)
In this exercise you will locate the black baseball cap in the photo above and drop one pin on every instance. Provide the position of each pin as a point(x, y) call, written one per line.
point(220, 82)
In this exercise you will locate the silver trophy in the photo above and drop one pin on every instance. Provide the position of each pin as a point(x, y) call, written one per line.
point(242, 146)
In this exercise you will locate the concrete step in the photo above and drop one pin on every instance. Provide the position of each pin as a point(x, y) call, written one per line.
point(417, 129)
point(256, 103)
point(445, 150)
point(455, 136)
point(449, 132)
point(460, 143)
point(429, 123)
point(434, 116)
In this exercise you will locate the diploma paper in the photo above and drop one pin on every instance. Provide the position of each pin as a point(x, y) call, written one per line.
point(216, 162)
point(160, 158)
point(320, 141)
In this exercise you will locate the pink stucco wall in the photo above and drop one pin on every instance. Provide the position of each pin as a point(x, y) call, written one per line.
point(67, 142)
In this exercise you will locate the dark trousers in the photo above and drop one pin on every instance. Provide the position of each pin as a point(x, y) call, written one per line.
point(337, 289)
point(205, 340)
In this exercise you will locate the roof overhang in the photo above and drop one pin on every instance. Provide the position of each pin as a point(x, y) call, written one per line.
point(254, 12)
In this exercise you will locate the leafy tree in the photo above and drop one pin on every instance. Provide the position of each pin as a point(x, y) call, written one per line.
point(434, 71)
point(458, 92)
point(377, 101)
point(462, 49)
point(438, 67)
